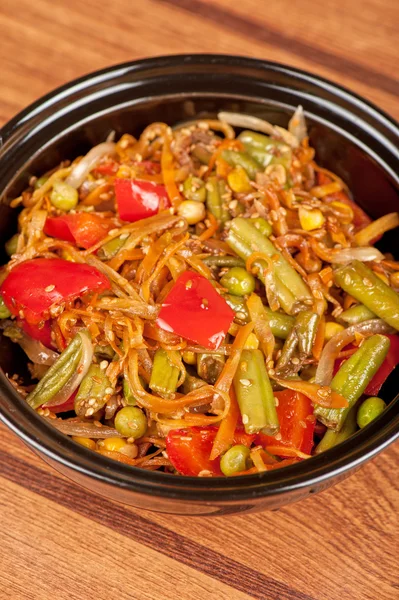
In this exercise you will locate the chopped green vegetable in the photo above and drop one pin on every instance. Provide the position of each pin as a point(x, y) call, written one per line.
point(370, 409)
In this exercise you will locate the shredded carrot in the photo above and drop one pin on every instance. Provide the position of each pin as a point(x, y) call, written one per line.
point(212, 229)
point(225, 435)
point(93, 197)
point(168, 172)
point(285, 451)
point(319, 339)
point(326, 275)
point(225, 145)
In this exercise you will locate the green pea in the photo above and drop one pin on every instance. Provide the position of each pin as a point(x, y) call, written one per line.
point(127, 392)
point(11, 244)
point(64, 196)
point(235, 460)
point(238, 281)
point(369, 410)
point(194, 189)
point(41, 181)
point(4, 312)
point(130, 421)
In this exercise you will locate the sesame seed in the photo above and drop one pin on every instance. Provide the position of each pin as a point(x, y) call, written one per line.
point(240, 315)
point(103, 365)
point(49, 288)
point(272, 372)
point(245, 419)
point(278, 436)
point(124, 236)
point(91, 402)
point(111, 336)
point(109, 390)
point(276, 401)
point(113, 231)
point(245, 382)
point(89, 412)
point(295, 361)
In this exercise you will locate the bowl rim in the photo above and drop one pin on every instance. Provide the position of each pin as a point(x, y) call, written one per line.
point(44, 438)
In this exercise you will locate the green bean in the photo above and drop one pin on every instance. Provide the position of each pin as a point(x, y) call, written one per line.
point(224, 261)
point(260, 141)
point(4, 312)
point(104, 352)
point(370, 409)
point(191, 383)
point(238, 281)
point(209, 367)
point(127, 393)
point(131, 422)
point(245, 239)
point(217, 195)
point(202, 154)
point(265, 150)
point(64, 196)
point(59, 373)
point(255, 394)
point(110, 249)
point(165, 375)
point(333, 438)
point(94, 391)
point(299, 343)
point(12, 244)
point(353, 378)
point(363, 284)
point(239, 306)
point(241, 159)
point(194, 189)
point(280, 324)
point(235, 460)
point(356, 314)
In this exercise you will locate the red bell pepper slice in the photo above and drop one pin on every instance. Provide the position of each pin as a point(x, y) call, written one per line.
point(84, 229)
point(189, 449)
point(35, 286)
point(107, 168)
point(138, 199)
point(65, 407)
point(390, 362)
point(297, 423)
point(195, 311)
point(40, 332)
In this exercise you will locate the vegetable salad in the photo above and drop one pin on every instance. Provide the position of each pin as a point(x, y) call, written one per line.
point(204, 300)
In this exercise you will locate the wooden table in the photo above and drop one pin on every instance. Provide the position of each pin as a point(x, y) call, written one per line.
point(56, 540)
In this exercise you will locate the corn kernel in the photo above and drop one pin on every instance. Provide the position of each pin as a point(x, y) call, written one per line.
point(311, 219)
point(86, 442)
point(190, 358)
point(345, 211)
point(238, 180)
point(113, 444)
point(252, 342)
point(332, 329)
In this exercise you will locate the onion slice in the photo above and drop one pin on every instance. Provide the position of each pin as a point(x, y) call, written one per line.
point(325, 368)
point(347, 255)
point(297, 125)
point(36, 351)
point(81, 170)
point(81, 370)
point(377, 228)
point(83, 428)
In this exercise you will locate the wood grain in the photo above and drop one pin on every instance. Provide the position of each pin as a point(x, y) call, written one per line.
point(59, 541)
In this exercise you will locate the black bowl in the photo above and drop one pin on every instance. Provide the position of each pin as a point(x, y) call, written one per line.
point(351, 137)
